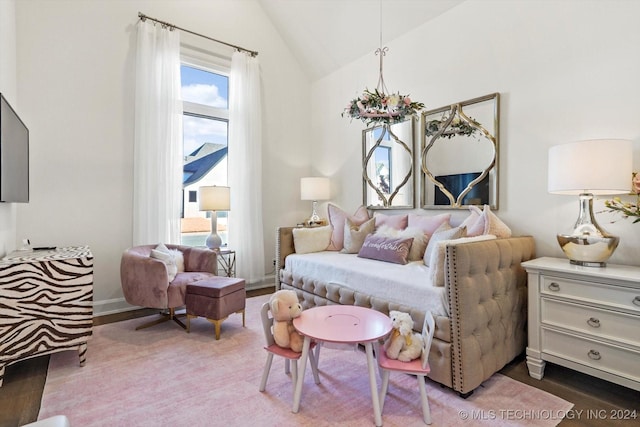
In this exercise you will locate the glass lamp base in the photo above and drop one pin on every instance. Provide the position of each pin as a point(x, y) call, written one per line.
point(588, 244)
point(588, 251)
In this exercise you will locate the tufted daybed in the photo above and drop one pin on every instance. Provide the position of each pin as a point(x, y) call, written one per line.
point(483, 323)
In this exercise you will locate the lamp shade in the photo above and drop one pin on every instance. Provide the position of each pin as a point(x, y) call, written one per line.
point(314, 188)
point(599, 166)
point(214, 198)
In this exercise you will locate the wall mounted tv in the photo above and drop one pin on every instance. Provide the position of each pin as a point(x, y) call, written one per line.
point(14, 156)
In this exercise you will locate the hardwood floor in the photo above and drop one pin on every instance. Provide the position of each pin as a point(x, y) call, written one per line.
point(596, 401)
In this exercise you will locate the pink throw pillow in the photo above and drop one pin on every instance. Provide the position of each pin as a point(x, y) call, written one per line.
point(427, 223)
point(483, 222)
point(474, 222)
point(337, 219)
point(388, 249)
point(399, 222)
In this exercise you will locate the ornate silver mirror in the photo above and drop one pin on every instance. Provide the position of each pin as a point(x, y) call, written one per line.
point(387, 166)
point(459, 154)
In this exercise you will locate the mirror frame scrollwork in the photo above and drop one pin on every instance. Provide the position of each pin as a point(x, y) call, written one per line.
point(368, 152)
point(446, 130)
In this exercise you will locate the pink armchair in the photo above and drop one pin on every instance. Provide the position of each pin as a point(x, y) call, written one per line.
point(145, 281)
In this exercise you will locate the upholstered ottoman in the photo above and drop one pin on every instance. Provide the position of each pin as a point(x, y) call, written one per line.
point(215, 298)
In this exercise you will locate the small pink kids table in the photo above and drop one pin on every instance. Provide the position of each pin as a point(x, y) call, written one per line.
point(345, 324)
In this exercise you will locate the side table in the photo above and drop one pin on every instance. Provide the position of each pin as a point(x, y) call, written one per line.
point(227, 261)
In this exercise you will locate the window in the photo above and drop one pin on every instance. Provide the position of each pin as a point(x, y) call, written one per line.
point(205, 95)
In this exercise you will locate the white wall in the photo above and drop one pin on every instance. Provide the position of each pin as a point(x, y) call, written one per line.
point(8, 89)
point(76, 64)
point(565, 70)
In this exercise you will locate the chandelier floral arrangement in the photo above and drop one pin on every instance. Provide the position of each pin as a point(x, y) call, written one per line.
point(375, 106)
point(627, 209)
point(379, 106)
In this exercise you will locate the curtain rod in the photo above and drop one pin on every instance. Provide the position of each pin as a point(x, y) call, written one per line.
point(144, 17)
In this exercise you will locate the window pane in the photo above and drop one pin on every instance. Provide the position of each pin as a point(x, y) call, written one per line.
point(205, 145)
point(204, 87)
point(205, 163)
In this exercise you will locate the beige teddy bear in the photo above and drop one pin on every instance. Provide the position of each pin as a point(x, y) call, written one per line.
point(284, 308)
point(403, 344)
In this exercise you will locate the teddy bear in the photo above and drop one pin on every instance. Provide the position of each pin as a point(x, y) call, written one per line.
point(403, 344)
point(284, 308)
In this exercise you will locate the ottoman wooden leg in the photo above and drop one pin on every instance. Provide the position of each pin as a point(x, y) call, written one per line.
point(189, 317)
point(217, 323)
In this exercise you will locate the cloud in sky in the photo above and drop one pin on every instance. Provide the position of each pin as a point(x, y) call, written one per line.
point(203, 94)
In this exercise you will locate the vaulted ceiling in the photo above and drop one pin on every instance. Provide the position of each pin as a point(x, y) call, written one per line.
point(327, 34)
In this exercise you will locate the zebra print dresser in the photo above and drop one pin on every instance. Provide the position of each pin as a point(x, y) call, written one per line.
point(46, 303)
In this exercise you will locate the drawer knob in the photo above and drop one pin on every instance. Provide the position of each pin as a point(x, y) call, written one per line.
point(594, 355)
point(636, 300)
point(593, 322)
point(553, 286)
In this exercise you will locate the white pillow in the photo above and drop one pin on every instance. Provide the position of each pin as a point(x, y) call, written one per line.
point(436, 264)
point(444, 232)
point(162, 253)
point(313, 239)
point(178, 259)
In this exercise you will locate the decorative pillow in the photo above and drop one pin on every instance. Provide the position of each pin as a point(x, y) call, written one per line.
point(474, 222)
point(493, 224)
point(354, 235)
point(307, 240)
point(420, 239)
point(388, 249)
point(161, 252)
point(444, 232)
point(484, 221)
point(178, 258)
point(419, 245)
point(428, 224)
point(436, 265)
point(399, 222)
point(337, 219)
point(387, 231)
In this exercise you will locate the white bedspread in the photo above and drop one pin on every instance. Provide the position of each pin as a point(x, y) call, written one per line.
point(408, 284)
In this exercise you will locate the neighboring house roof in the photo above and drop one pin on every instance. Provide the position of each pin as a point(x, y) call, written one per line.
point(201, 161)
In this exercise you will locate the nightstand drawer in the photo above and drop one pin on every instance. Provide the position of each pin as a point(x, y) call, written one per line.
point(614, 296)
point(610, 325)
point(615, 360)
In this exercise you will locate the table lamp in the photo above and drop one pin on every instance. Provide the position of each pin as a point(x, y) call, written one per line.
point(214, 199)
point(314, 188)
point(588, 168)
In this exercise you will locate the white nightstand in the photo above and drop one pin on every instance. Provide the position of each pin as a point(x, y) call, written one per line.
point(584, 318)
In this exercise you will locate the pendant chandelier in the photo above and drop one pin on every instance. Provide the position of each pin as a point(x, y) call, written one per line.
point(379, 106)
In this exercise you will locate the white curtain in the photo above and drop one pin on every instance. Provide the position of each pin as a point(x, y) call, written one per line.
point(245, 167)
point(157, 192)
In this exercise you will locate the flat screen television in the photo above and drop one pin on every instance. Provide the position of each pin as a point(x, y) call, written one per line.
point(479, 194)
point(14, 156)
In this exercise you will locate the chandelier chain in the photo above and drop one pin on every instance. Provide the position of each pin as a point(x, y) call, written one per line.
point(381, 106)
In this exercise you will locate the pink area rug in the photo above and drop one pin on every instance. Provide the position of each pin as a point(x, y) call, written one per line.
point(162, 376)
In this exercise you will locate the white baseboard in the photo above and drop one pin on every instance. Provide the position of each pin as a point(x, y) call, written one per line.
point(111, 306)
